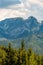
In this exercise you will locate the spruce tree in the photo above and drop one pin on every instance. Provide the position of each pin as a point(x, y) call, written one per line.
point(10, 56)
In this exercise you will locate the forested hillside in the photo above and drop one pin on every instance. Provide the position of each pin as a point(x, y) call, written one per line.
point(21, 56)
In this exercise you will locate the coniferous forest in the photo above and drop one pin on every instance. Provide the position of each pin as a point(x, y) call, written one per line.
point(21, 56)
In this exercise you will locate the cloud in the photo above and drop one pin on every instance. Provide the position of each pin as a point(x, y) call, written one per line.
point(6, 3)
point(9, 13)
point(12, 11)
point(21, 8)
point(35, 7)
point(37, 2)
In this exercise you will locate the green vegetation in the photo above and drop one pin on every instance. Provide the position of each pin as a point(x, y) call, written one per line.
point(21, 56)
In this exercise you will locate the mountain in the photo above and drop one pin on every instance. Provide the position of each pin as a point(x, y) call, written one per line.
point(18, 27)
point(15, 29)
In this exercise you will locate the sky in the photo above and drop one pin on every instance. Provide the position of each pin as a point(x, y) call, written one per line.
point(21, 8)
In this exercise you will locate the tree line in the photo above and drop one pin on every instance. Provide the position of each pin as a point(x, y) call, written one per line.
point(21, 56)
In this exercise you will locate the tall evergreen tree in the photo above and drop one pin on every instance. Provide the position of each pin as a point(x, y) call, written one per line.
point(10, 56)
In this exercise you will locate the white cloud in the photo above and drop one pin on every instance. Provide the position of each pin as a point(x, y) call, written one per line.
point(38, 2)
point(36, 7)
point(17, 10)
point(24, 9)
point(29, 2)
point(9, 13)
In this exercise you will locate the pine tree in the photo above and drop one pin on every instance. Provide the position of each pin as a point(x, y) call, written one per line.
point(10, 56)
point(32, 60)
point(2, 56)
point(22, 45)
point(41, 59)
point(22, 55)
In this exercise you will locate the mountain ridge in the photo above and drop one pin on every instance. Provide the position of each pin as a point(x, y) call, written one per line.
point(18, 25)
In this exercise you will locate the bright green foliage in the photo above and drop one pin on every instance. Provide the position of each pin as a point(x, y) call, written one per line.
point(21, 56)
point(2, 55)
point(32, 60)
point(42, 60)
